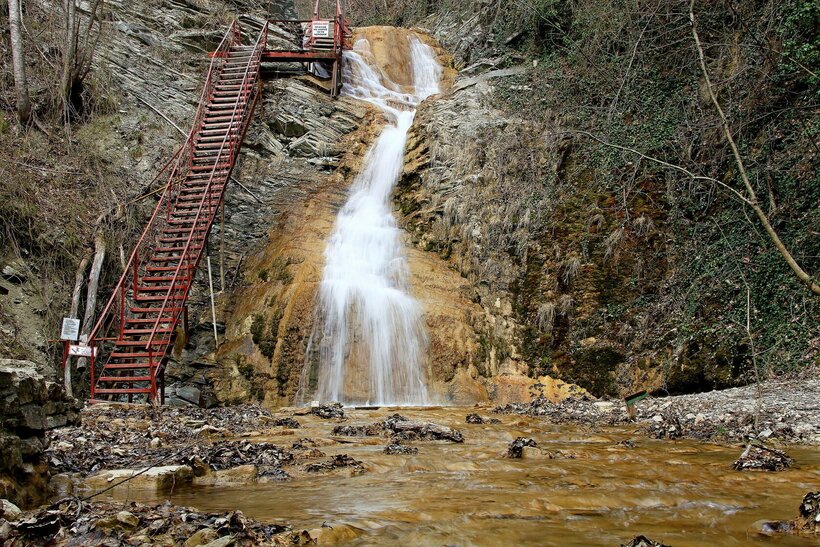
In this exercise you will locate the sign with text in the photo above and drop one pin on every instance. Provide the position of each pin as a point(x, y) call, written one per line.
point(81, 351)
point(321, 29)
point(70, 330)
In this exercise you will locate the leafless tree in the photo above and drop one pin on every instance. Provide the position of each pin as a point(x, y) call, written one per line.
point(751, 196)
point(82, 35)
point(19, 61)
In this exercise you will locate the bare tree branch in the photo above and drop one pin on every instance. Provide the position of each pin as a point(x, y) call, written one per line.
point(801, 274)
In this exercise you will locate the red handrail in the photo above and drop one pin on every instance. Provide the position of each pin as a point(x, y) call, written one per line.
point(253, 60)
point(180, 161)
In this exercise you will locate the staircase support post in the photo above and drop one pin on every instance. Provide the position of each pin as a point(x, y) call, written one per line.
point(213, 306)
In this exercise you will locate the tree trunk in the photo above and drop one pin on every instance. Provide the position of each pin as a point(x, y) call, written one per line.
point(69, 56)
point(91, 295)
point(75, 309)
point(19, 61)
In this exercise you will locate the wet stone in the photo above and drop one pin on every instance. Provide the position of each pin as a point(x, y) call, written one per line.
point(328, 411)
point(400, 449)
point(289, 423)
point(408, 430)
point(762, 458)
point(474, 419)
point(809, 513)
point(9, 511)
point(516, 448)
point(806, 523)
point(643, 541)
point(338, 462)
point(372, 430)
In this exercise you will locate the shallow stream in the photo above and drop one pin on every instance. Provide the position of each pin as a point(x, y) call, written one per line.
point(681, 492)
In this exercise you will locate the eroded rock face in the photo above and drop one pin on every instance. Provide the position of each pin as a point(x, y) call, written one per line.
point(29, 406)
point(306, 148)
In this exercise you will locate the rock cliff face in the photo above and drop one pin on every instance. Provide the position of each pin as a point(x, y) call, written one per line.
point(317, 145)
point(29, 406)
point(574, 275)
point(480, 189)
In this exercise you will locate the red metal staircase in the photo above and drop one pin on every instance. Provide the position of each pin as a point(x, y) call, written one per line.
point(138, 326)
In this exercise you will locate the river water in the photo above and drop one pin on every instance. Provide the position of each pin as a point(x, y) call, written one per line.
point(369, 333)
point(683, 493)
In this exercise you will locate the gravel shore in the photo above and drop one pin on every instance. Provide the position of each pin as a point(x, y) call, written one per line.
point(785, 410)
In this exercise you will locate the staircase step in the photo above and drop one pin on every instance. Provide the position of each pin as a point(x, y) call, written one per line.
point(218, 131)
point(123, 391)
point(177, 249)
point(170, 240)
point(199, 186)
point(160, 288)
point(216, 168)
point(221, 125)
point(159, 298)
point(168, 259)
point(163, 330)
point(220, 118)
point(143, 343)
point(224, 108)
point(189, 221)
point(156, 310)
point(127, 366)
point(160, 279)
point(190, 216)
point(149, 320)
point(200, 146)
point(193, 202)
point(131, 355)
point(229, 98)
point(123, 379)
point(233, 87)
point(238, 69)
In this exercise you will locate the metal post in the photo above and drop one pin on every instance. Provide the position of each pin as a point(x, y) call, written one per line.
point(91, 364)
point(222, 249)
point(213, 306)
point(162, 386)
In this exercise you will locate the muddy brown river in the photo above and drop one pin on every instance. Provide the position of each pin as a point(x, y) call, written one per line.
point(682, 493)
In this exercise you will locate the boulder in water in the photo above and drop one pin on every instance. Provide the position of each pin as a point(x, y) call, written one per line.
point(328, 411)
point(398, 448)
point(643, 541)
point(516, 448)
point(405, 429)
point(474, 419)
point(762, 458)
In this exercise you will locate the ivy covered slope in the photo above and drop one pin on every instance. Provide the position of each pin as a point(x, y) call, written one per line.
point(599, 195)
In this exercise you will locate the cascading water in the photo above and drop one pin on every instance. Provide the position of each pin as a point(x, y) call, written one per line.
point(369, 335)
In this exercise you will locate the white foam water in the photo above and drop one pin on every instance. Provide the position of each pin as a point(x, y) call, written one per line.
point(369, 334)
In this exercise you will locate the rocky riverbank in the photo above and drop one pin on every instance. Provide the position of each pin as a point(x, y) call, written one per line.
point(30, 407)
point(784, 410)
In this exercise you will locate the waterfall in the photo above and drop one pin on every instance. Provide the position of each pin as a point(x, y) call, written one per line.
point(369, 334)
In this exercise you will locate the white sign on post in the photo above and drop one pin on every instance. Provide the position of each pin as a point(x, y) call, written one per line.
point(81, 350)
point(70, 330)
point(321, 29)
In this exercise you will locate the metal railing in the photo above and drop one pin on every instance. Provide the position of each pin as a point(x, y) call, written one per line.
point(111, 322)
